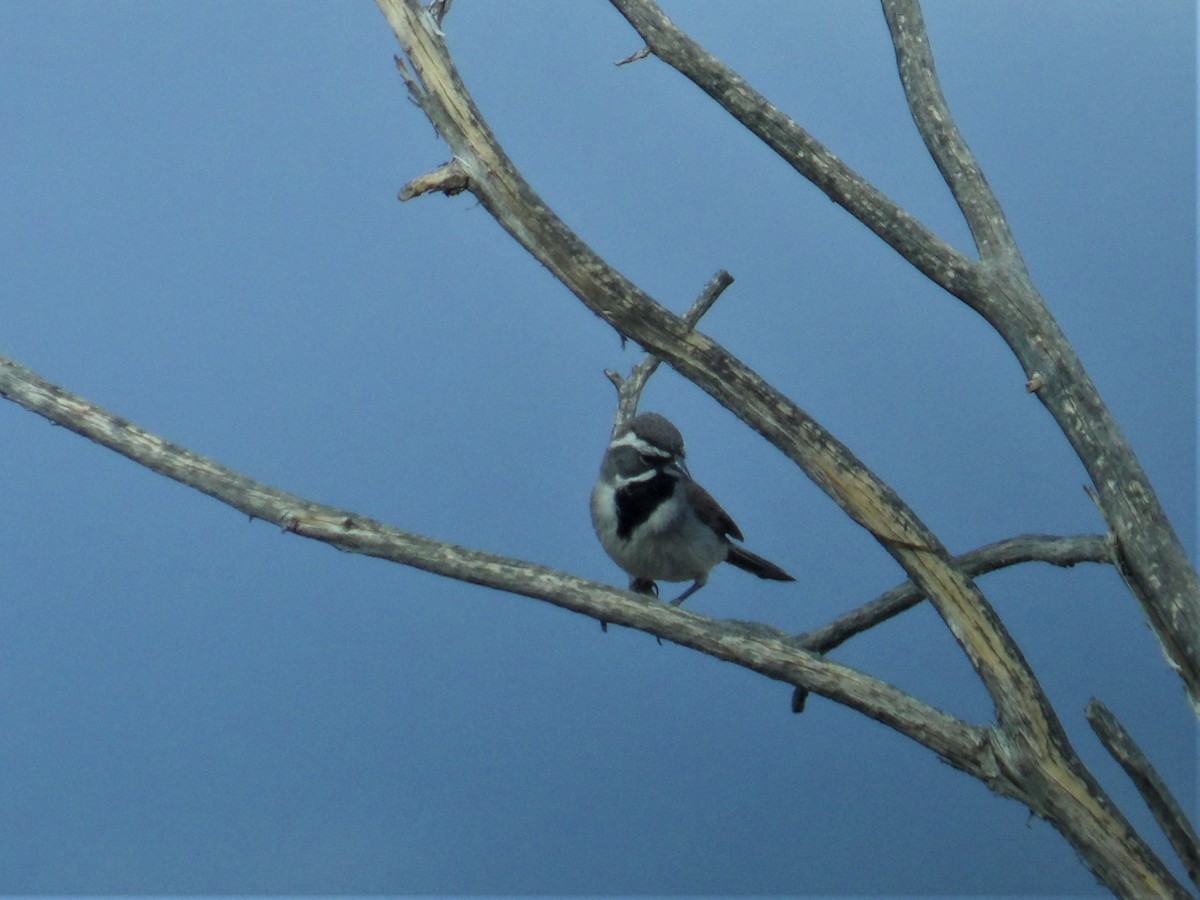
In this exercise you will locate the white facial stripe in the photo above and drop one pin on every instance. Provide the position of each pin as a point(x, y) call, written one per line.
point(629, 439)
point(622, 480)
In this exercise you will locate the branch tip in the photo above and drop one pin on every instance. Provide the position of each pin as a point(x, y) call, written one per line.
point(633, 57)
point(449, 178)
point(702, 304)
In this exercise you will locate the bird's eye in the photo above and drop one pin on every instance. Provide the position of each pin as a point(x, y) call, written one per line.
point(649, 460)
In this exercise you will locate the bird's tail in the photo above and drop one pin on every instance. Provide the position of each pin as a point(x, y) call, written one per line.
point(755, 564)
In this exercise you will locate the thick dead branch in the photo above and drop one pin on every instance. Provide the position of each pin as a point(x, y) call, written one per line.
point(935, 258)
point(945, 143)
point(1163, 805)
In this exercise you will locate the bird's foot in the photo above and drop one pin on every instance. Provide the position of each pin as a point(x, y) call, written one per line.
point(643, 586)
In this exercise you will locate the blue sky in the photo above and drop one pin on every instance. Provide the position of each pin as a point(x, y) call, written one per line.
point(200, 232)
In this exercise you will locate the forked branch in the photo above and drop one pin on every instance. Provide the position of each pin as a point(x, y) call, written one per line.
point(943, 140)
point(1054, 549)
point(934, 257)
point(629, 389)
point(1156, 566)
point(997, 286)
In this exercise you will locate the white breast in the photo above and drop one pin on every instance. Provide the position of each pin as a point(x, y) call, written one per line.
point(671, 545)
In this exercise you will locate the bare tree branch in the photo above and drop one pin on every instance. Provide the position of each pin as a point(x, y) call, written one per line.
point(935, 258)
point(766, 651)
point(1036, 761)
point(1152, 560)
point(449, 179)
point(1163, 805)
point(998, 288)
point(633, 57)
point(1055, 549)
point(629, 389)
point(945, 143)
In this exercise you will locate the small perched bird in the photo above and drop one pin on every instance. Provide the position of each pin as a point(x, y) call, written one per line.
point(656, 522)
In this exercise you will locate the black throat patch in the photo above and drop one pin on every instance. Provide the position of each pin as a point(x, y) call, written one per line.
point(638, 500)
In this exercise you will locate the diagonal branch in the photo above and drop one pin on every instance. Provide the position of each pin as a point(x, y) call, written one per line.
point(944, 141)
point(1055, 549)
point(1163, 805)
point(766, 651)
point(917, 243)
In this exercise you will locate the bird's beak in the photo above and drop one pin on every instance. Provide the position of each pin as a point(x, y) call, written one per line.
point(680, 468)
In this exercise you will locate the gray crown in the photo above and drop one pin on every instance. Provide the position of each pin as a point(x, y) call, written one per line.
point(656, 431)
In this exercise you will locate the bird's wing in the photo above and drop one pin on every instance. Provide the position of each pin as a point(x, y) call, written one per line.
point(710, 512)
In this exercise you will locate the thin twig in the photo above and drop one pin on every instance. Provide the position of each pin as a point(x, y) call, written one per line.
point(1055, 549)
point(629, 388)
point(1163, 805)
point(633, 57)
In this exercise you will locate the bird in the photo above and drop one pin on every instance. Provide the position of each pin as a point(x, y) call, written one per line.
point(655, 521)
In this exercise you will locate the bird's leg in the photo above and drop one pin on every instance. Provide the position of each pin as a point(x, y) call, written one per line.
point(696, 585)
